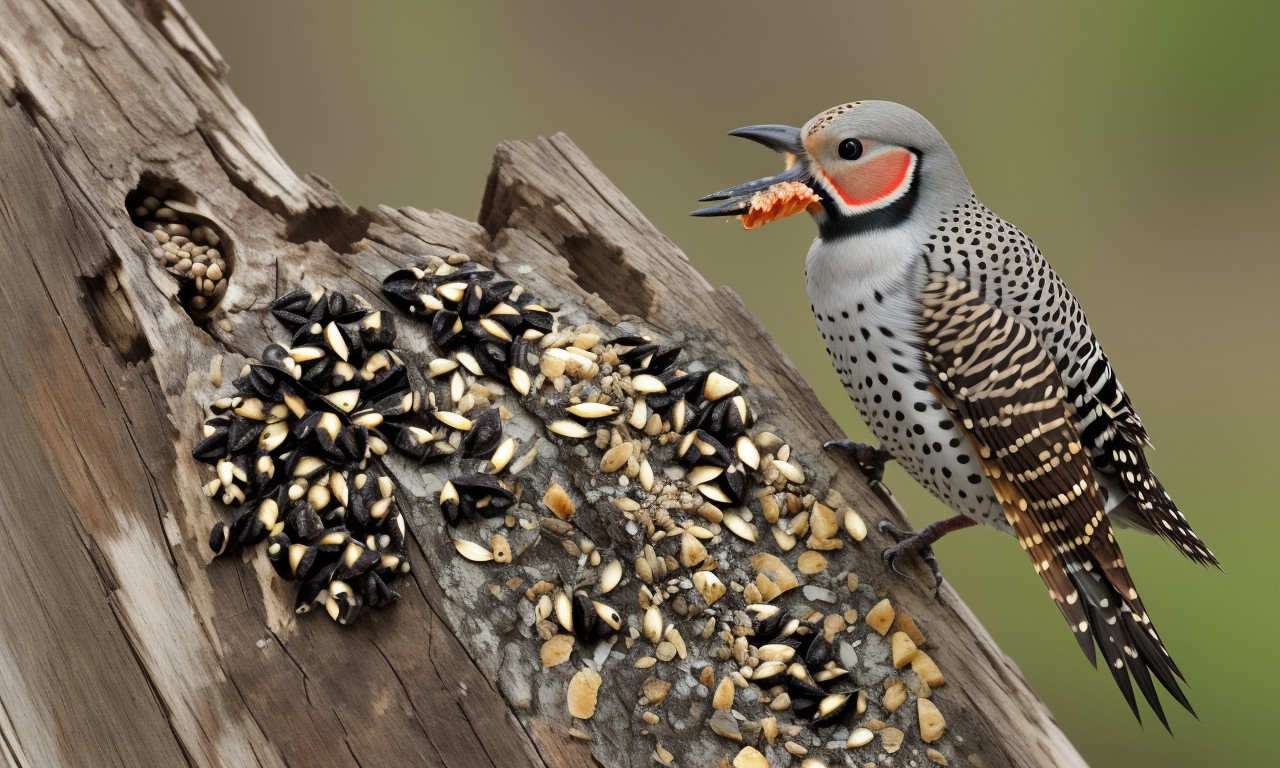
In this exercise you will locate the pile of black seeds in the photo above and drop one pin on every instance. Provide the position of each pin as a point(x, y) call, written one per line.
point(485, 321)
point(796, 654)
point(188, 248)
point(296, 452)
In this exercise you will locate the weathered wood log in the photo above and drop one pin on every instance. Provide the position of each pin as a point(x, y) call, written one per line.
point(121, 643)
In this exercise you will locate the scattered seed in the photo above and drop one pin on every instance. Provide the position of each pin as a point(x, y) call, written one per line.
point(557, 500)
point(717, 386)
point(722, 699)
point(709, 586)
point(859, 737)
point(854, 525)
point(646, 385)
point(652, 625)
point(903, 649)
point(746, 451)
point(891, 739)
point(569, 428)
point(811, 562)
point(502, 454)
point(750, 757)
point(557, 650)
point(740, 528)
point(927, 669)
point(790, 471)
point(616, 457)
point(592, 410)
point(582, 693)
point(692, 551)
point(472, 551)
point(932, 723)
point(501, 549)
point(880, 616)
point(894, 696)
point(611, 576)
point(703, 474)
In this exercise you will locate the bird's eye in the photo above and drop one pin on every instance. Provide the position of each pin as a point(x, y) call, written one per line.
point(850, 149)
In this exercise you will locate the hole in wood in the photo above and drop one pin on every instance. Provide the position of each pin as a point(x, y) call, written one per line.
point(602, 269)
point(185, 241)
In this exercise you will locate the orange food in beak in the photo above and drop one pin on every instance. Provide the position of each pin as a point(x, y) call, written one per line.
point(778, 202)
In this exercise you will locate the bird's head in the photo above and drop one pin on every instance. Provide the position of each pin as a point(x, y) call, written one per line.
point(858, 166)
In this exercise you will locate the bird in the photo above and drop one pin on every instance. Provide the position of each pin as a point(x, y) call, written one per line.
point(974, 366)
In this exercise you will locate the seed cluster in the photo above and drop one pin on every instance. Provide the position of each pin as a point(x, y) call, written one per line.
point(188, 249)
point(681, 464)
point(296, 452)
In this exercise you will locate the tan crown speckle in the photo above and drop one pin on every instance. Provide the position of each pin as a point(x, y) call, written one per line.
point(824, 119)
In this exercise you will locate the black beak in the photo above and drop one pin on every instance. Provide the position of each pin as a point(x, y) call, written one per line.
point(780, 138)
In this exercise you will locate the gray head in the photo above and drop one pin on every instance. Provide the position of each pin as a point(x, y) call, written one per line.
point(871, 164)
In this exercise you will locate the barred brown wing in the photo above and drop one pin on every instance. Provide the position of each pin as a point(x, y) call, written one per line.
point(1006, 394)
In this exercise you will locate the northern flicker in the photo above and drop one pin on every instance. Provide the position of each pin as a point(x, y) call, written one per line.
point(974, 366)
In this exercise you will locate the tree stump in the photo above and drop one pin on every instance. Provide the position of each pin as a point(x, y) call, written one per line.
point(122, 643)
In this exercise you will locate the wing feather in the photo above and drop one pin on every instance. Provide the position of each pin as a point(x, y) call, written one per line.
point(1005, 392)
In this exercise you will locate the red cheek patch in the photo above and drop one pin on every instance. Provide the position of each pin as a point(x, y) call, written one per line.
point(874, 180)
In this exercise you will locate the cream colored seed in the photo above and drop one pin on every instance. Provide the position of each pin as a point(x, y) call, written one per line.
point(472, 551)
point(567, 428)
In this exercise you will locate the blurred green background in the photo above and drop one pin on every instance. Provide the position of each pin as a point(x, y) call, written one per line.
point(1137, 143)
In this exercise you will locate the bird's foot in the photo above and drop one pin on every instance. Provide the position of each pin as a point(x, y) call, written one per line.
point(920, 543)
point(871, 460)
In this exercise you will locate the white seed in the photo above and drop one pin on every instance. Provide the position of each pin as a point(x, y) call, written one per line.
point(616, 457)
point(747, 452)
point(709, 586)
point(860, 737)
point(519, 379)
point(564, 610)
point(704, 473)
point(473, 551)
point(457, 387)
point(678, 413)
point(306, 466)
point(608, 615)
point(441, 366)
point(645, 476)
point(592, 410)
point(639, 414)
point(713, 493)
point(345, 400)
point(652, 625)
point(647, 384)
point(333, 335)
point(775, 652)
point(740, 528)
point(790, 471)
point(718, 386)
point(502, 454)
point(273, 435)
point(469, 362)
point(495, 329)
point(855, 525)
point(610, 576)
point(569, 429)
point(454, 420)
point(452, 291)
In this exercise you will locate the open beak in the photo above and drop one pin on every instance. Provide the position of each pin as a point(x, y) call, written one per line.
point(774, 197)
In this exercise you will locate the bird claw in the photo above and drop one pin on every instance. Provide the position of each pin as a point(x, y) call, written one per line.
point(870, 460)
point(906, 546)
